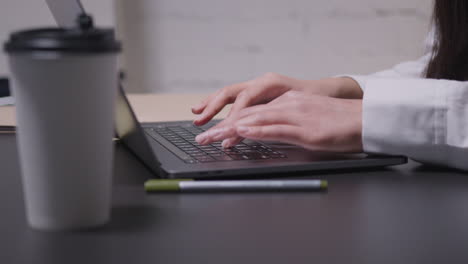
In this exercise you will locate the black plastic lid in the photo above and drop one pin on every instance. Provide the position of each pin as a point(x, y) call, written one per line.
point(83, 39)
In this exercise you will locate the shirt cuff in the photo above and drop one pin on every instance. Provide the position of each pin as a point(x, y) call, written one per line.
point(403, 117)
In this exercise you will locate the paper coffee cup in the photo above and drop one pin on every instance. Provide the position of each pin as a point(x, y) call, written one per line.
point(65, 82)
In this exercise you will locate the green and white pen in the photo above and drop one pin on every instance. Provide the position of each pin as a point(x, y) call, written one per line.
point(187, 185)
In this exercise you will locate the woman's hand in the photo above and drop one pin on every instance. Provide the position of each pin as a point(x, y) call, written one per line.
point(265, 89)
point(314, 122)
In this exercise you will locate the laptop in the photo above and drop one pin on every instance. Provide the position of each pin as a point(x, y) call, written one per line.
point(169, 149)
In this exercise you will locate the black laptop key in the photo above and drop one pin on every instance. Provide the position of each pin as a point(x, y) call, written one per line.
point(208, 148)
point(256, 155)
point(213, 152)
point(242, 148)
point(250, 151)
point(231, 151)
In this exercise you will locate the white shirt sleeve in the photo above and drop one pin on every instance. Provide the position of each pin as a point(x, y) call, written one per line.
point(424, 119)
point(406, 114)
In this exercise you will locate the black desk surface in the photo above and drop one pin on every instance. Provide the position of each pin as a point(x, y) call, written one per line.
point(406, 214)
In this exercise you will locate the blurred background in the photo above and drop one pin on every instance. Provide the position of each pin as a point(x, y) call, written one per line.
point(193, 46)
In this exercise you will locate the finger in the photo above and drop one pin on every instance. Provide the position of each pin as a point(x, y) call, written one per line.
point(198, 109)
point(260, 109)
point(227, 142)
point(230, 142)
point(260, 92)
point(251, 116)
point(226, 96)
point(205, 136)
point(268, 117)
point(244, 100)
point(216, 134)
point(284, 133)
point(223, 130)
point(221, 124)
point(226, 129)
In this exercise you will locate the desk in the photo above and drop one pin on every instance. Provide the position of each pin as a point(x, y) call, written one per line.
point(405, 214)
point(148, 107)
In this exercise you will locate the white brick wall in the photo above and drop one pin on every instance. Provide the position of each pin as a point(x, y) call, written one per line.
point(202, 45)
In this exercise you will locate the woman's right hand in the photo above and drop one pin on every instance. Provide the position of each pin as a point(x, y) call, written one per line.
point(263, 90)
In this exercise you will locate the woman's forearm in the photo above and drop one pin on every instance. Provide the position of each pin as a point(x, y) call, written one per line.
point(339, 87)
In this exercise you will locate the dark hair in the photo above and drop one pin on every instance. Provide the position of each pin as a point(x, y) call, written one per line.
point(450, 55)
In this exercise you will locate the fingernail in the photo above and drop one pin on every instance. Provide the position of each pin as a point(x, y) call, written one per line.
point(243, 130)
point(226, 143)
point(198, 120)
point(197, 106)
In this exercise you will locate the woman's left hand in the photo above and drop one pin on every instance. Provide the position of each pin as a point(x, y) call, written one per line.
point(314, 122)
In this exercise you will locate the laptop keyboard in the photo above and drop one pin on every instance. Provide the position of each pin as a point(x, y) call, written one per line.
point(183, 137)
